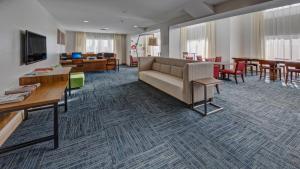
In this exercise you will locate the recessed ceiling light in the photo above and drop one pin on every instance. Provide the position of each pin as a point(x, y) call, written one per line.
point(85, 21)
point(104, 29)
point(135, 26)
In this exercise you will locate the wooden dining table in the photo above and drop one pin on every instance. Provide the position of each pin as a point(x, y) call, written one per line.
point(273, 73)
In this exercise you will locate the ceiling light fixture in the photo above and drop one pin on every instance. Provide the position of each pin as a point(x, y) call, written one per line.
point(104, 29)
point(135, 26)
point(85, 21)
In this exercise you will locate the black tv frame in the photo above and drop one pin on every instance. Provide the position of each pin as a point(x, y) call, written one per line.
point(26, 47)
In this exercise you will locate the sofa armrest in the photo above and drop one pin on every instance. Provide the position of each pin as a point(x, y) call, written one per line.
point(145, 63)
point(194, 71)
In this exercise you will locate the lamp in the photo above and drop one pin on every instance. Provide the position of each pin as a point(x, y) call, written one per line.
point(152, 41)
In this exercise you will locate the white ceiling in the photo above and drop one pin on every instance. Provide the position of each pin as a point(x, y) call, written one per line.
point(118, 15)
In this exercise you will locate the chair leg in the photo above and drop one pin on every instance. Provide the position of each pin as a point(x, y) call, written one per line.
point(243, 78)
point(236, 81)
point(286, 77)
point(280, 74)
point(260, 74)
point(256, 68)
point(218, 90)
point(265, 73)
point(291, 77)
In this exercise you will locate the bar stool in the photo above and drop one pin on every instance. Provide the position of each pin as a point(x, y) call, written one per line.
point(206, 82)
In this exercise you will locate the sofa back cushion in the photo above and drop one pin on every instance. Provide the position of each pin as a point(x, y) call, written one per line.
point(156, 66)
point(164, 68)
point(172, 61)
point(177, 71)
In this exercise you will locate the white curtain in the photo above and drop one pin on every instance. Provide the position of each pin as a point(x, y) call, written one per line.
point(199, 39)
point(282, 32)
point(120, 47)
point(99, 42)
point(257, 36)
point(174, 39)
point(80, 42)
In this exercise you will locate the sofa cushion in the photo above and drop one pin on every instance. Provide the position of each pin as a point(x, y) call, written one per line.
point(165, 68)
point(156, 66)
point(165, 82)
point(177, 71)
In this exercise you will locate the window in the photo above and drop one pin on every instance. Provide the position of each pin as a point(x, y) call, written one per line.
point(197, 41)
point(98, 43)
point(282, 32)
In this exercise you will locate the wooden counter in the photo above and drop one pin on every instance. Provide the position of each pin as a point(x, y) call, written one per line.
point(92, 65)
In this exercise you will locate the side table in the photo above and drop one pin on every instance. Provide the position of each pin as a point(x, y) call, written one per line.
point(206, 82)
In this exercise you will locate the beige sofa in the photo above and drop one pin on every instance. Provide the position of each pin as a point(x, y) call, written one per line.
point(174, 77)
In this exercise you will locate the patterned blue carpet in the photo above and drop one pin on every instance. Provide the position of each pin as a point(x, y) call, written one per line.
point(116, 121)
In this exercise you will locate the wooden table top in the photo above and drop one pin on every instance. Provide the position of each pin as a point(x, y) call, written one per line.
point(274, 60)
point(221, 63)
point(44, 95)
point(55, 71)
point(208, 81)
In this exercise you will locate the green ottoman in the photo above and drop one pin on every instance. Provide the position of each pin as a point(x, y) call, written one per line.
point(77, 80)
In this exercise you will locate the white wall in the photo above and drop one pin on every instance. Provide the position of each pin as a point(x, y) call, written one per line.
point(17, 16)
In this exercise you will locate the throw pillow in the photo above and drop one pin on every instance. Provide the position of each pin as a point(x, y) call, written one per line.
point(165, 68)
point(177, 71)
point(156, 66)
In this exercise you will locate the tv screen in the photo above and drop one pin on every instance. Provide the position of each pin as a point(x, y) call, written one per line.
point(76, 55)
point(35, 48)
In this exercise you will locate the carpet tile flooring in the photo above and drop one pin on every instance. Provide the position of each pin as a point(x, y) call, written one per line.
point(118, 122)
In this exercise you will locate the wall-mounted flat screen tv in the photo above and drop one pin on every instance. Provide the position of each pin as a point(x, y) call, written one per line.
point(35, 48)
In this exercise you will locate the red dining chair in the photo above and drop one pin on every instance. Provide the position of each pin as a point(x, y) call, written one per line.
point(216, 71)
point(218, 59)
point(133, 61)
point(199, 58)
point(217, 67)
point(189, 58)
point(210, 60)
point(238, 70)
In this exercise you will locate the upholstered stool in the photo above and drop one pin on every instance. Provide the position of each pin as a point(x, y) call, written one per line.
point(77, 80)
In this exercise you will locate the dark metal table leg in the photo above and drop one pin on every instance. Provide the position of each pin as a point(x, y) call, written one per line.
point(56, 126)
point(192, 95)
point(66, 100)
point(70, 84)
point(205, 100)
point(25, 114)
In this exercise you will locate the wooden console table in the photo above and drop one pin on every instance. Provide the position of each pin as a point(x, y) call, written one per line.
point(45, 97)
point(57, 74)
point(93, 65)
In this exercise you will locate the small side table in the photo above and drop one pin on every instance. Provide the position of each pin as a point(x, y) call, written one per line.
point(206, 82)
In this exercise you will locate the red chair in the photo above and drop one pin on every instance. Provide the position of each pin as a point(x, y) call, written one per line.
point(218, 59)
point(210, 60)
point(216, 71)
point(199, 58)
point(217, 67)
point(238, 70)
point(133, 61)
point(189, 58)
